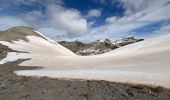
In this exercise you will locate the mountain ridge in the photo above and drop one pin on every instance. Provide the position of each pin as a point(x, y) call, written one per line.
point(97, 47)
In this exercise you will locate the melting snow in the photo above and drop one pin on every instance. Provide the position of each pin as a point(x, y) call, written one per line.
point(13, 56)
point(108, 75)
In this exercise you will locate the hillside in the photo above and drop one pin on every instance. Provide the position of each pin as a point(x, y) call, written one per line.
point(97, 47)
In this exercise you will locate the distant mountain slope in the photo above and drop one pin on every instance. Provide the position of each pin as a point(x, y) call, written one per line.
point(97, 47)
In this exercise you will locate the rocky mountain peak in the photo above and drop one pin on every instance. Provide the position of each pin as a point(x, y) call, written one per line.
point(97, 47)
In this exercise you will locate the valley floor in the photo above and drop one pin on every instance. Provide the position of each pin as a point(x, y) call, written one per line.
point(14, 87)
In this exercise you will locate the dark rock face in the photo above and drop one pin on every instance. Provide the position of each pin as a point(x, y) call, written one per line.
point(97, 47)
point(3, 51)
point(73, 46)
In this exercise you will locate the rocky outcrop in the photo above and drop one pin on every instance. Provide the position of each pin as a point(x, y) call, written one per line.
point(97, 47)
point(126, 41)
point(73, 46)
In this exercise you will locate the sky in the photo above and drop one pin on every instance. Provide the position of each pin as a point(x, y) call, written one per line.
point(88, 20)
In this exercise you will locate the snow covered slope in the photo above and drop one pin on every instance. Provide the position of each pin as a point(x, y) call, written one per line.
point(145, 62)
point(31, 44)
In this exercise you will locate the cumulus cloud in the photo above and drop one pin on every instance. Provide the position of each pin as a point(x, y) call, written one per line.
point(111, 19)
point(56, 19)
point(94, 13)
point(147, 10)
point(67, 21)
point(54, 15)
point(33, 18)
point(70, 20)
point(137, 15)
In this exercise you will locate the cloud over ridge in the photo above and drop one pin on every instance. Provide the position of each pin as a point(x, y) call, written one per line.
point(105, 19)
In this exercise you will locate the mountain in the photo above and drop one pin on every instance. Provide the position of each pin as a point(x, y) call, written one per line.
point(144, 62)
point(97, 47)
point(25, 43)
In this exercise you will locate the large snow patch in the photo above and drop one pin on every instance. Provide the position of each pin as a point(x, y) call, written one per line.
point(146, 62)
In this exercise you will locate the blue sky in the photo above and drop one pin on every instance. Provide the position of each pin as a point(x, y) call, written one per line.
point(88, 20)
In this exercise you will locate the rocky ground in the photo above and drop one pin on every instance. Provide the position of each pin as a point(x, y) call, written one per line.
point(97, 47)
point(14, 87)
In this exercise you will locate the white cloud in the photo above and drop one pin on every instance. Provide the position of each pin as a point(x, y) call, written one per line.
point(157, 14)
point(149, 10)
point(55, 18)
point(111, 19)
point(53, 33)
point(164, 29)
point(8, 22)
point(32, 18)
point(137, 15)
point(69, 20)
point(91, 23)
point(54, 15)
point(94, 13)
